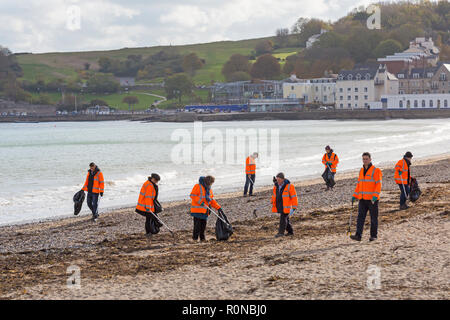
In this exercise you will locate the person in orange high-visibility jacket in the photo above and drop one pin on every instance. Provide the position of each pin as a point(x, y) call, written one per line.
point(367, 191)
point(330, 160)
point(202, 196)
point(402, 177)
point(284, 202)
point(95, 186)
point(250, 173)
point(148, 204)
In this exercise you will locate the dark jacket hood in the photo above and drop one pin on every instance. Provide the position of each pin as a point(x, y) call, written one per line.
point(96, 170)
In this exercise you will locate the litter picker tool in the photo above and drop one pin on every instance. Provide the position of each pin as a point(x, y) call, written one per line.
point(404, 191)
point(215, 213)
point(165, 225)
point(349, 231)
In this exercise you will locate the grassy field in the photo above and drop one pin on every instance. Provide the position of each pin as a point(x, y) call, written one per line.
point(64, 65)
point(115, 100)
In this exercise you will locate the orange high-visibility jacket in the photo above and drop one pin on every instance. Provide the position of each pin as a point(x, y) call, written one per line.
point(290, 200)
point(147, 197)
point(99, 183)
point(402, 166)
point(334, 161)
point(369, 185)
point(250, 166)
point(198, 196)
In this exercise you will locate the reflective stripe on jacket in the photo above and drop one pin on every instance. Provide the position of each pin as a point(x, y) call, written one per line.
point(402, 165)
point(99, 183)
point(198, 196)
point(290, 200)
point(369, 185)
point(146, 198)
point(334, 162)
point(250, 166)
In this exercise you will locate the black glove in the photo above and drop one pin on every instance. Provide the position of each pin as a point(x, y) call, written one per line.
point(274, 180)
point(101, 194)
point(221, 211)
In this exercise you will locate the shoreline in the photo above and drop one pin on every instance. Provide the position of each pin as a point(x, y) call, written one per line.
point(308, 180)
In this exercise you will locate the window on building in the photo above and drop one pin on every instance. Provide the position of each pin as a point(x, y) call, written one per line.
point(416, 103)
point(356, 89)
point(366, 97)
point(443, 76)
point(356, 97)
point(445, 103)
point(400, 104)
point(400, 76)
point(358, 77)
point(349, 77)
point(367, 76)
point(341, 90)
point(349, 105)
point(365, 89)
point(349, 89)
point(423, 103)
point(341, 98)
point(349, 97)
point(408, 104)
point(415, 75)
point(431, 103)
point(342, 105)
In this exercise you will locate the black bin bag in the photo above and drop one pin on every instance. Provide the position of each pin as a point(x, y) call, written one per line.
point(223, 230)
point(78, 200)
point(328, 177)
point(415, 192)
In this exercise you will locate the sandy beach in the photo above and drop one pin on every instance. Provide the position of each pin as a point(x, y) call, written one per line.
point(116, 261)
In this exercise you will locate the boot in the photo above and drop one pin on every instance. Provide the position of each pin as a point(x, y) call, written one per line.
point(355, 237)
point(404, 206)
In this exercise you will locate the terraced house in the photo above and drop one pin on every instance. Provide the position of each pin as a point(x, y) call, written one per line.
point(363, 87)
point(425, 80)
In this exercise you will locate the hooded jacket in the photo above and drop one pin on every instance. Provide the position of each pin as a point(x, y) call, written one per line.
point(95, 183)
point(201, 195)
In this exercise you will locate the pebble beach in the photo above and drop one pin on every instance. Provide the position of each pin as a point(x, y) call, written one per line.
point(117, 261)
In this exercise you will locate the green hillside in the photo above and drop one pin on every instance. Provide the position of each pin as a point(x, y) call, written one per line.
point(49, 66)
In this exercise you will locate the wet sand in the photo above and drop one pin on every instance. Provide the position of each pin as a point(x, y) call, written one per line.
point(319, 262)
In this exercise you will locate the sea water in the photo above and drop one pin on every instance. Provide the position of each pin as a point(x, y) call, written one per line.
point(44, 164)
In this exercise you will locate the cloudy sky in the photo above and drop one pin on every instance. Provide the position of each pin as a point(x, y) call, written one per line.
point(53, 25)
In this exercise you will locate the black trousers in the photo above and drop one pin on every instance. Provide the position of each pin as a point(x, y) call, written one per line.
point(363, 207)
point(285, 224)
point(92, 202)
point(199, 228)
point(248, 182)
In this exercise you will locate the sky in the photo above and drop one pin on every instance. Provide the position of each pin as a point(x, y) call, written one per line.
point(85, 25)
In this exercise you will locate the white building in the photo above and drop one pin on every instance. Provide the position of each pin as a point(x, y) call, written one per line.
point(416, 101)
point(363, 87)
point(319, 90)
